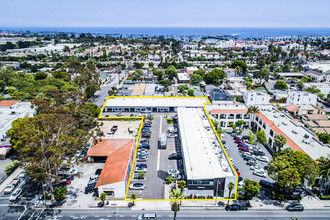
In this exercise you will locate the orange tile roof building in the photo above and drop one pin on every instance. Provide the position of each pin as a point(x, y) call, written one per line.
point(115, 174)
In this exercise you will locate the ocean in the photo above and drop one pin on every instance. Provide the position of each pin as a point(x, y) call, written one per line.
point(177, 32)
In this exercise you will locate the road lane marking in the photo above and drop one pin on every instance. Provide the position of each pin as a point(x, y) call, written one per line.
point(158, 159)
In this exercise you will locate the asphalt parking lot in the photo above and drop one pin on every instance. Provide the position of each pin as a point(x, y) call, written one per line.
point(157, 161)
point(236, 155)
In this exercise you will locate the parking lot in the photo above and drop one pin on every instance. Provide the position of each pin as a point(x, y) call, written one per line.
point(157, 161)
point(235, 154)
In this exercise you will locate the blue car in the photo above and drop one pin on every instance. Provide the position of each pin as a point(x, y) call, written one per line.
point(145, 135)
point(144, 142)
point(142, 165)
point(146, 130)
point(145, 146)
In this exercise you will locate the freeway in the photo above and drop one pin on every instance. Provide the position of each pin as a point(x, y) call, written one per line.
point(111, 213)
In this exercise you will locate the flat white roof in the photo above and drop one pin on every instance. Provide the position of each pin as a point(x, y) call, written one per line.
point(203, 155)
point(315, 150)
point(155, 102)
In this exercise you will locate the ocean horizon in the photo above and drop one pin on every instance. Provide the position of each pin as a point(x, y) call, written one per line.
point(239, 32)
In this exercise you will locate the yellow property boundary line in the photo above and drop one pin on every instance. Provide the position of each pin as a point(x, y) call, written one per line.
point(138, 140)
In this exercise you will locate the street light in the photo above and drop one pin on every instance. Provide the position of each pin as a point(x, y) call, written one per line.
point(216, 193)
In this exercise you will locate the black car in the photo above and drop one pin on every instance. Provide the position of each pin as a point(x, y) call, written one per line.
point(260, 153)
point(144, 142)
point(245, 137)
point(295, 207)
point(98, 171)
point(265, 183)
point(174, 156)
point(114, 128)
point(223, 141)
point(246, 157)
point(89, 189)
point(242, 145)
point(145, 135)
point(235, 208)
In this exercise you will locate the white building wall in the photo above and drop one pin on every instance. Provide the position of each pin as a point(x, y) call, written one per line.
point(301, 98)
point(255, 98)
point(227, 180)
point(118, 189)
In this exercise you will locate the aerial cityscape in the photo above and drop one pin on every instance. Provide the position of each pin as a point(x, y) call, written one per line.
point(164, 110)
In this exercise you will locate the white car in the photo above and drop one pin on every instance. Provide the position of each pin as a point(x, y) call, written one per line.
point(15, 195)
point(136, 186)
point(240, 184)
point(140, 169)
point(255, 167)
point(172, 171)
point(259, 173)
point(73, 171)
point(22, 174)
point(263, 158)
point(9, 188)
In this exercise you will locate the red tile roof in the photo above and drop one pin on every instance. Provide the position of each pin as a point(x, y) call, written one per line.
point(271, 124)
point(228, 111)
point(292, 108)
point(118, 152)
point(9, 102)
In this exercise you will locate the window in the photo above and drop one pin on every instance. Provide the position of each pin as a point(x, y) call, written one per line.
point(271, 132)
point(298, 100)
point(251, 99)
point(110, 193)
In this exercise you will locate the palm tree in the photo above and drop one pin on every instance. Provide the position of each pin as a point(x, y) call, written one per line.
point(253, 109)
point(230, 188)
point(280, 141)
point(176, 194)
point(324, 165)
point(133, 197)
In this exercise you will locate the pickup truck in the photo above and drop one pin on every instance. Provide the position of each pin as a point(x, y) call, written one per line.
point(235, 208)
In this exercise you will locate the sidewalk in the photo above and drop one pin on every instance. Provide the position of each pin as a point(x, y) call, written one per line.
point(10, 178)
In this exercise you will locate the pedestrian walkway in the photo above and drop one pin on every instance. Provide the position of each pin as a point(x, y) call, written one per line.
point(10, 178)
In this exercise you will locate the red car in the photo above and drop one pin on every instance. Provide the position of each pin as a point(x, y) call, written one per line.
point(239, 141)
point(65, 182)
point(244, 149)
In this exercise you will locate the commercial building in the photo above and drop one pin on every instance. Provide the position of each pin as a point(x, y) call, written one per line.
point(217, 94)
point(118, 155)
point(183, 77)
point(256, 98)
point(206, 166)
point(301, 98)
point(153, 104)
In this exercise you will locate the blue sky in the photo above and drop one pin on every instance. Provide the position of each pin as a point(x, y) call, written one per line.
point(165, 13)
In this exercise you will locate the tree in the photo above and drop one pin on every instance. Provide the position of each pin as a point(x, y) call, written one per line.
point(176, 194)
point(280, 141)
point(281, 85)
point(248, 84)
point(240, 123)
point(170, 73)
point(253, 109)
point(261, 137)
point(60, 193)
point(138, 65)
point(199, 72)
point(183, 88)
point(190, 92)
point(214, 76)
point(261, 75)
point(181, 184)
point(66, 49)
point(233, 125)
point(133, 197)
point(251, 189)
point(94, 109)
point(230, 188)
point(103, 197)
point(251, 137)
point(313, 89)
point(289, 168)
point(324, 137)
point(151, 64)
point(196, 79)
point(241, 64)
point(40, 75)
point(324, 166)
point(300, 85)
point(165, 83)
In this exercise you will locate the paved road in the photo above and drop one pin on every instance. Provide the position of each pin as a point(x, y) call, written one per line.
point(183, 214)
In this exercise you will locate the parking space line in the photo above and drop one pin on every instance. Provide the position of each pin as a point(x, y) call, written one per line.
point(158, 160)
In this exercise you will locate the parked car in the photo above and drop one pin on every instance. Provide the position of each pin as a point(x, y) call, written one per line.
point(174, 156)
point(106, 116)
point(237, 137)
point(114, 128)
point(251, 163)
point(136, 186)
point(260, 173)
point(141, 158)
point(295, 207)
point(98, 171)
point(73, 171)
point(260, 153)
point(95, 177)
point(242, 145)
point(15, 195)
point(144, 142)
point(235, 207)
point(140, 169)
point(244, 149)
point(223, 141)
point(65, 182)
point(263, 158)
point(142, 151)
point(146, 130)
point(246, 137)
point(173, 171)
point(16, 181)
point(142, 165)
point(267, 184)
point(145, 135)
point(255, 167)
point(22, 174)
point(247, 157)
point(89, 189)
point(146, 125)
point(239, 141)
point(9, 189)
point(147, 216)
point(144, 146)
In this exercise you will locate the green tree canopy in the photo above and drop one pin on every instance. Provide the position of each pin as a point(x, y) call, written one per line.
point(251, 189)
point(261, 137)
point(195, 79)
point(214, 76)
point(261, 75)
point(241, 64)
point(281, 85)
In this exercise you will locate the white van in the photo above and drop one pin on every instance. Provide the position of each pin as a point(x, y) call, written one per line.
point(147, 216)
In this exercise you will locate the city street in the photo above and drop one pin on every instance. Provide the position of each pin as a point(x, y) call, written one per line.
point(110, 213)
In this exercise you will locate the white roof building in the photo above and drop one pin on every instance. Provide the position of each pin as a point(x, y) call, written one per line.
point(301, 98)
point(256, 98)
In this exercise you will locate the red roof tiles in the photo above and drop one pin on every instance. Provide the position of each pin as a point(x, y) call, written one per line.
point(9, 102)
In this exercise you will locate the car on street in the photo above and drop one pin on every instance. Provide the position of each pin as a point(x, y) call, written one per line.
point(295, 207)
point(136, 186)
point(147, 216)
point(9, 188)
point(114, 128)
point(235, 207)
point(263, 158)
point(174, 156)
point(260, 173)
point(15, 195)
point(243, 149)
